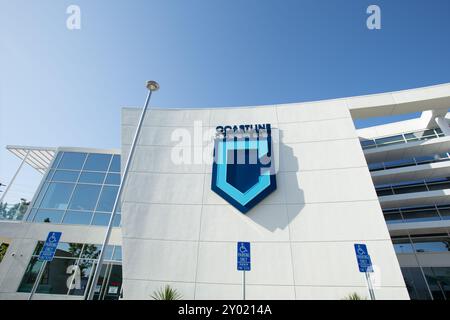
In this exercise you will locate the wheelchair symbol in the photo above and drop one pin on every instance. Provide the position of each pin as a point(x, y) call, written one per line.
point(243, 249)
point(52, 238)
point(361, 251)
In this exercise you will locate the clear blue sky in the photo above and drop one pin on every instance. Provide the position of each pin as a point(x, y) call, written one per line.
point(62, 87)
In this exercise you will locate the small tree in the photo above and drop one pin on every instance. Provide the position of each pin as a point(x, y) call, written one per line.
point(166, 293)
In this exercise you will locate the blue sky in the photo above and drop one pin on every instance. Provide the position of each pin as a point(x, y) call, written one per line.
point(63, 87)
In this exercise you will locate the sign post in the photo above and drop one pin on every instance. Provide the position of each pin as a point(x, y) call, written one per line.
point(47, 253)
point(365, 265)
point(243, 261)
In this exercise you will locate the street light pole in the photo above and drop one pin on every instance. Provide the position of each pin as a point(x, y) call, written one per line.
point(151, 86)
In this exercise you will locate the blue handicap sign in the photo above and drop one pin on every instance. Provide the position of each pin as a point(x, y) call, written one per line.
point(243, 256)
point(48, 250)
point(363, 258)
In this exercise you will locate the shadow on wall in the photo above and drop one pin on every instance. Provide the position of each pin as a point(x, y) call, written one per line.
point(275, 209)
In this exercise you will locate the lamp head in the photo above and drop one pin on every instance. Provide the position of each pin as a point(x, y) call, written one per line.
point(152, 85)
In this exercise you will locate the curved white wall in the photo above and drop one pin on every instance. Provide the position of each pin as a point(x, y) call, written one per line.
point(177, 231)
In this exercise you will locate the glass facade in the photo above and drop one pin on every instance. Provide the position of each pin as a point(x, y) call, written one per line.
point(79, 188)
point(71, 270)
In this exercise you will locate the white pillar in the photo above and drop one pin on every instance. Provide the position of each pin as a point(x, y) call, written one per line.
point(443, 125)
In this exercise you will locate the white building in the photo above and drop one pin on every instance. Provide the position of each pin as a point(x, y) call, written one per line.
point(176, 230)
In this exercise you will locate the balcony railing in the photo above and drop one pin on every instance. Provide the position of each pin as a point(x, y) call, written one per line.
point(417, 214)
point(413, 186)
point(409, 162)
point(401, 138)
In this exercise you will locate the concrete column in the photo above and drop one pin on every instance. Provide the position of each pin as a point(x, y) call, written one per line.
point(443, 125)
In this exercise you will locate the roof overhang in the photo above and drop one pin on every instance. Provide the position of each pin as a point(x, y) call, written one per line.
point(39, 158)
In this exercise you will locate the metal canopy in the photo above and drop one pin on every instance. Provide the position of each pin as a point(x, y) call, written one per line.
point(38, 158)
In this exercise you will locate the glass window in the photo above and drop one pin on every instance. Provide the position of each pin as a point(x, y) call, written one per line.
point(435, 283)
point(415, 283)
point(31, 215)
point(78, 217)
point(57, 159)
point(92, 177)
point(402, 245)
point(85, 197)
point(97, 162)
point(108, 252)
point(392, 216)
point(107, 199)
point(399, 163)
point(113, 178)
point(83, 270)
point(49, 175)
point(91, 251)
point(431, 244)
point(30, 275)
point(115, 164)
point(117, 256)
point(68, 250)
point(444, 211)
point(71, 269)
point(101, 219)
point(49, 216)
point(116, 221)
point(57, 195)
point(420, 214)
point(72, 160)
point(366, 144)
point(64, 175)
point(55, 276)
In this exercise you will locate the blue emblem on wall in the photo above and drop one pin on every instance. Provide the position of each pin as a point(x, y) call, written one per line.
point(242, 171)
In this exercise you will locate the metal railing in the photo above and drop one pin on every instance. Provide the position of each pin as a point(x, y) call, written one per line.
point(409, 162)
point(401, 138)
point(413, 186)
point(416, 214)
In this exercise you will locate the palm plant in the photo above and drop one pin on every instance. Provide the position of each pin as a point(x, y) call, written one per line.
point(166, 293)
point(354, 296)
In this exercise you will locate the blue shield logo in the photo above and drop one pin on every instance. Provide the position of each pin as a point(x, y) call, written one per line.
point(242, 171)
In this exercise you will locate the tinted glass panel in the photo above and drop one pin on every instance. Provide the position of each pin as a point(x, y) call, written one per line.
point(30, 275)
point(115, 164)
point(97, 162)
point(116, 221)
point(63, 175)
point(117, 253)
point(78, 217)
point(415, 283)
point(108, 252)
point(72, 160)
point(58, 157)
point(57, 195)
point(107, 199)
point(91, 251)
point(101, 219)
point(113, 178)
point(431, 244)
point(54, 278)
point(84, 271)
point(85, 197)
point(429, 214)
point(92, 177)
point(50, 216)
point(68, 250)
